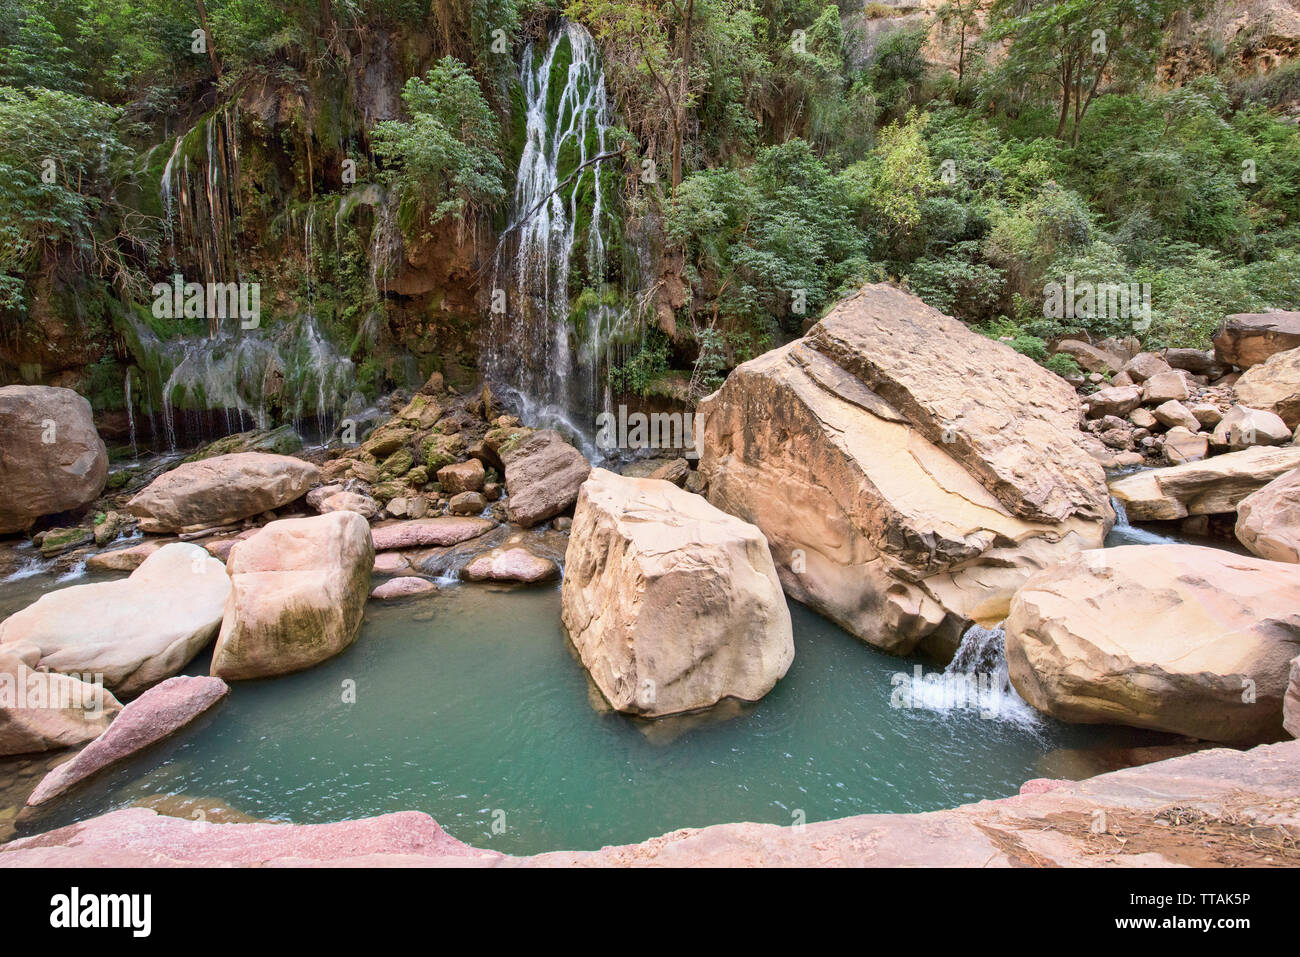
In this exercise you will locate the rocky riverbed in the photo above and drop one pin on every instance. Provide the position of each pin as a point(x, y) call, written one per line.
point(898, 474)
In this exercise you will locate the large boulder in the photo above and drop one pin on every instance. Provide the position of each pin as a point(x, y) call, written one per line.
point(543, 474)
point(44, 710)
point(1247, 339)
point(672, 604)
point(221, 490)
point(1242, 427)
point(135, 631)
point(1177, 638)
point(298, 588)
point(51, 458)
point(1274, 386)
point(161, 711)
point(1268, 521)
point(1213, 486)
point(908, 473)
point(440, 531)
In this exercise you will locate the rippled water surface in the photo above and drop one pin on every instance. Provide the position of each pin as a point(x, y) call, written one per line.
point(471, 706)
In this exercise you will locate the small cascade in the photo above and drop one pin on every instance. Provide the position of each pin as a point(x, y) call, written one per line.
point(1125, 534)
point(130, 412)
point(551, 347)
point(975, 682)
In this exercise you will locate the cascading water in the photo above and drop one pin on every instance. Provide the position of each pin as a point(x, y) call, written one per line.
point(560, 215)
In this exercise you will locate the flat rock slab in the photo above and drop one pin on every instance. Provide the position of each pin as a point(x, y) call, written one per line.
point(1178, 638)
point(125, 559)
point(428, 532)
point(221, 490)
point(1213, 486)
point(405, 587)
point(135, 631)
point(161, 711)
point(1247, 339)
point(1234, 790)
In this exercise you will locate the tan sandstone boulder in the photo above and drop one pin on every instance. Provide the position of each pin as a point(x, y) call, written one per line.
point(1273, 386)
point(909, 474)
point(51, 458)
point(298, 588)
point(43, 711)
point(1178, 638)
point(543, 474)
point(1248, 339)
point(1213, 486)
point(672, 604)
point(221, 490)
point(135, 631)
point(1268, 521)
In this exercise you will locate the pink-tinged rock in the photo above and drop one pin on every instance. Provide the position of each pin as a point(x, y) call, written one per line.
point(407, 587)
point(1042, 785)
point(219, 548)
point(126, 559)
point(511, 565)
point(391, 563)
point(425, 532)
point(161, 711)
point(140, 837)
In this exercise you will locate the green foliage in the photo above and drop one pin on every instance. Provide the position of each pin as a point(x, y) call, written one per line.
point(446, 158)
point(644, 368)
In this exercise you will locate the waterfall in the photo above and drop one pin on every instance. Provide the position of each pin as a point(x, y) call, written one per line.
point(1125, 534)
point(130, 412)
point(974, 683)
point(559, 216)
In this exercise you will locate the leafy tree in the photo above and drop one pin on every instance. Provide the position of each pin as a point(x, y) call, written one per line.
point(446, 157)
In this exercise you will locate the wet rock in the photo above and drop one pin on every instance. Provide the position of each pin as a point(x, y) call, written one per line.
point(52, 460)
point(158, 713)
point(405, 587)
point(468, 476)
point(298, 588)
point(513, 564)
point(279, 441)
point(135, 631)
point(467, 503)
point(442, 530)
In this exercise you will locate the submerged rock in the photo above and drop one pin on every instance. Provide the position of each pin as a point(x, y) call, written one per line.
point(404, 587)
point(909, 474)
point(1176, 638)
point(135, 631)
point(298, 589)
point(161, 711)
point(672, 604)
point(543, 474)
point(51, 458)
point(1215, 485)
point(42, 711)
point(1268, 521)
point(221, 490)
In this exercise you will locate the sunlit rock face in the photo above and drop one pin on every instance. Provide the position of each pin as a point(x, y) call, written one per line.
point(908, 473)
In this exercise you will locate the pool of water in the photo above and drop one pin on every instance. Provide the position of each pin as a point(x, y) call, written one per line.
point(471, 706)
